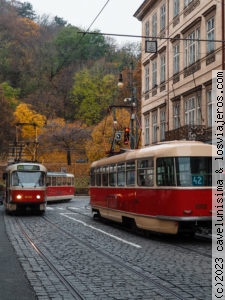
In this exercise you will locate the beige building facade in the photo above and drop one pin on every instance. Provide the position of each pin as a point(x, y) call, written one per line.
point(177, 79)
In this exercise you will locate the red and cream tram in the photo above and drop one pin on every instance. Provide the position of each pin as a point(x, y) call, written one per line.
point(164, 188)
point(25, 187)
point(60, 186)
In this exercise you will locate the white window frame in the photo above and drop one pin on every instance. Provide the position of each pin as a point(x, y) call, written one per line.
point(209, 108)
point(189, 111)
point(154, 25)
point(176, 59)
point(176, 115)
point(162, 68)
point(147, 28)
point(186, 2)
point(163, 17)
point(192, 47)
point(154, 126)
point(147, 121)
point(146, 78)
point(192, 110)
point(210, 33)
point(162, 123)
point(176, 8)
point(154, 73)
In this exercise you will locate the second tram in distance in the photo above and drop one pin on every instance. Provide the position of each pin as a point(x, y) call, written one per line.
point(60, 186)
point(164, 188)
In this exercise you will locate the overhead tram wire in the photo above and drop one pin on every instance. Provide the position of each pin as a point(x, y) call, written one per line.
point(151, 37)
point(87, 31)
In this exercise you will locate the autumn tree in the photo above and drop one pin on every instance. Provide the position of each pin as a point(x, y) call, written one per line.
point(30, 121)
point(92, 94)
point(59, 137)
point(103, 134)
point(7, 132)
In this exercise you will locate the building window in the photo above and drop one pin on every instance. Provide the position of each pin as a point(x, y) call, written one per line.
point(176, 59)
point(210, 35)
point(186, 2)
point(192, 110)
point(176, 115)
point(147, 28)
point(162, 68)
point(209, 108)
point(154, 126)
point(146, 78)
point(154, 25)
point(192, 47)
point(162, 124)
point(199, 111)
point(154, 73)
point(147, 130)
point(162, 17)
point(176, 8)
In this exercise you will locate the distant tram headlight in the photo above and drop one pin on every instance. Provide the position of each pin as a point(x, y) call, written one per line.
point(38, 196)
point(19, 197)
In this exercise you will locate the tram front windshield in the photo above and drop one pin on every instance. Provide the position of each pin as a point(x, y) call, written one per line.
point(28, 179)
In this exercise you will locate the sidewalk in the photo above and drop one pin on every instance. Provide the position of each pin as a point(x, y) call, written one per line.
point(13, 282)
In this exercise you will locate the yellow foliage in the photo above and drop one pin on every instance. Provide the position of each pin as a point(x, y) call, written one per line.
point(103, 134)
point(31, 28)
point(28, 121)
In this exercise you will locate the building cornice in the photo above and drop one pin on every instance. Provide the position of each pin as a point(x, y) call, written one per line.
point(194, 90)
point(191, 26)
point(144, 9)
point(209, 10)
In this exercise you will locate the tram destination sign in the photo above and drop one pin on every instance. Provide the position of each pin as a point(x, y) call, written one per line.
point(28, 168)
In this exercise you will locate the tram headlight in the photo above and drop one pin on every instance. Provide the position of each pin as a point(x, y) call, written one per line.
point(38, 197)
point(18, 197)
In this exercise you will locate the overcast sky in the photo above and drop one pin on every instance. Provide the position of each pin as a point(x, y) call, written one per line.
point(116, 17)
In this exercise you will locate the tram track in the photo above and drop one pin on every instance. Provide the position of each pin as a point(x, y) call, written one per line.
point(146, 277)
point(74, 292)
point(160, 283)
point(171, 240)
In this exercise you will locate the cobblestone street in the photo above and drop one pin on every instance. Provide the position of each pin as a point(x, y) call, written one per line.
point(66, 254)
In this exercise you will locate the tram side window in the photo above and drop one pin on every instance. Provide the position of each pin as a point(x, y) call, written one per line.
point(63, 181)
point(48, 181)
point(146, 172)
point(105, 178)
point(98, 177)
point(165, 171)
point(92, 177)
point(68, 180)
point(59, 181)
point(112, 175)
point(53, 181)
point(130, 170)
point(183, 170)
point(194, 171)
point(121, 174)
